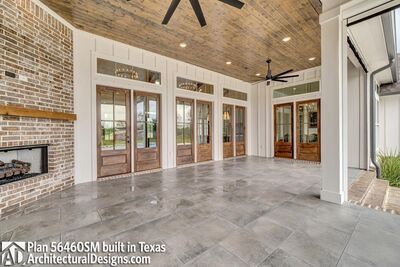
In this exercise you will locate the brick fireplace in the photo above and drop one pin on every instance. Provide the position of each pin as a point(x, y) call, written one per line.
point(36, 73)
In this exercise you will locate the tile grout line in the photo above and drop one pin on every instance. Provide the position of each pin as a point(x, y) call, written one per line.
point(348, 241)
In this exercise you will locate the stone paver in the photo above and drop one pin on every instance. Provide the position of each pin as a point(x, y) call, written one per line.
point(359, 188)
point(243, 212)
point(393, 199)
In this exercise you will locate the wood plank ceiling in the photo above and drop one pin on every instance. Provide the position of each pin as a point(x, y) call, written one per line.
point(245, 37)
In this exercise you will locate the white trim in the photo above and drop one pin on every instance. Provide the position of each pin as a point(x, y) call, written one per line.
point(333, 197)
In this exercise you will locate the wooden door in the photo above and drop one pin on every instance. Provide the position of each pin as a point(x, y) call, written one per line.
point(308, 130)
point(204, 131)
point(184, 131)
point(227, 133)
point(147, 131)
point(113, 131)
point(240, 130)
point(283, 137)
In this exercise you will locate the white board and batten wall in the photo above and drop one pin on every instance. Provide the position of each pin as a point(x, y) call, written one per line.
point(88, 47)
point(389, 124)
point(263, 108)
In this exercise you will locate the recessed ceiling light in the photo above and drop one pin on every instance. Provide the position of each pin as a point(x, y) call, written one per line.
point(258, 74)
point(228, 62)
point(183, 45)
point(286, 39)
point(311, 58)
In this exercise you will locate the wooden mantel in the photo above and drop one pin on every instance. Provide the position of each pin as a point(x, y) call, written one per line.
point(35, 113)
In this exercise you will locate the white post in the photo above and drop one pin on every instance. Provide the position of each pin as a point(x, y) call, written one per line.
point(333, 105)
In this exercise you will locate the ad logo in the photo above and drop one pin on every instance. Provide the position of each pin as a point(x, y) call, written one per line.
point(12, 253)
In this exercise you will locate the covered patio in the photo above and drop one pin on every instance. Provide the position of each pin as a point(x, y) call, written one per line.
point(249, 211)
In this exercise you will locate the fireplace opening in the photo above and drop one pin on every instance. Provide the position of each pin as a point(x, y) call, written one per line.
point(17, 163)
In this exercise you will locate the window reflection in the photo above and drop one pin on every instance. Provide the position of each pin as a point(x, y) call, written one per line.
point(227, 124)
point(235, 94)
point(146, 121)
point(297, 90)
point(203, 123)
point(183, 122)
point(283, 124)
point(113, 120)
point(240, 124)
point(194, 86)
point(308, 120)
point(120, 70)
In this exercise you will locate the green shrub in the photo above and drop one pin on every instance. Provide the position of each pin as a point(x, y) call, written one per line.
point(390, 167)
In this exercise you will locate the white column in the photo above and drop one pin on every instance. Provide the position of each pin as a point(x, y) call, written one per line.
point(333, 106)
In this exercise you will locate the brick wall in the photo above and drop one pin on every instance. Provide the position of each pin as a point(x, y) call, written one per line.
point(35, 45)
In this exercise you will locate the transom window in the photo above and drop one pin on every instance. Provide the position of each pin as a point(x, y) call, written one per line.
point(194, 86)
point(297, 90)
point(120, 70)
point(235, 94)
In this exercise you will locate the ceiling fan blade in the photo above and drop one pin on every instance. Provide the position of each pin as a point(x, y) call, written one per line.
point(199, 13)
point(289, 76)
point(171, 10)
point(234, 3)
point(277, 80)
point(282, 73)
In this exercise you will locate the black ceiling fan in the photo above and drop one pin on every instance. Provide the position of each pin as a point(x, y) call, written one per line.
point(278, 77)
point(197, 9)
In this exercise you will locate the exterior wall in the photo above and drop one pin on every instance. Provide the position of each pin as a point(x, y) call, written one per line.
point(263, 105)
point(88, 47)
point(38, 49)
point(389, 124)
point(357, 117)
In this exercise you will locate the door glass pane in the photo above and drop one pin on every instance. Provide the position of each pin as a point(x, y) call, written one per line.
point(106, 109)
point(107, 135)
point(188, 113)
point(152, 113)
point(120, 135)
point(151, 134)
point(140, 135)
point(227, 125)
point(179, 112)
point(120, 106)
point(147, 121)
point(179, 134)
point(308, 120)
point(187, 134)
point(183, 122)
point(283, 126)
point(203, 123)
point(240, 127)
point(140, 106)
point(151, 131)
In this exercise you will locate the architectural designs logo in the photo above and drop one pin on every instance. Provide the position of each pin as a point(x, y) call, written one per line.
point(12, 253)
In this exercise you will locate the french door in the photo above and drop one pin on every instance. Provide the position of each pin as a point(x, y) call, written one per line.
point(283, 137)
point(240, 130)
point(227, 133)
point(113, 131)
point(184, 131)
point(204, 130)
point(147, 129)
point(308, 130)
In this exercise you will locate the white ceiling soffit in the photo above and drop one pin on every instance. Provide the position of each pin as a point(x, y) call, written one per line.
point(369, 39)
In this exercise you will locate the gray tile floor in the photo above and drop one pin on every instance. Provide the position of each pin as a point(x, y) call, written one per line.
point(244, 212)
